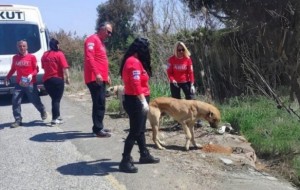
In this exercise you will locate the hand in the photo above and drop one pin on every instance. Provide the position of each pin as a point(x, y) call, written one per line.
point(109, 81)
point(6, 82)
point(193, 90)
point(99, 79)
point(202, 73)
point(145, 105)
point(175, 83)
point(68, 80)
point(29, 77)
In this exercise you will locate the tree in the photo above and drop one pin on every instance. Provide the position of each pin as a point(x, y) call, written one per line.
point(120, 14)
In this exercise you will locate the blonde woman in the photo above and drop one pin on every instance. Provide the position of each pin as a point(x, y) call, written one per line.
point(180, 72)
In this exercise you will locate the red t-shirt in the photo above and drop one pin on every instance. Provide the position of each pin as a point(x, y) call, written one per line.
point(95, 59)
point(180, 69)
point(53, 62)
point(135, 78)
point(24, 65)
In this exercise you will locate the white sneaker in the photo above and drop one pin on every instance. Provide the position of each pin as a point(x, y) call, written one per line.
point(57, 121)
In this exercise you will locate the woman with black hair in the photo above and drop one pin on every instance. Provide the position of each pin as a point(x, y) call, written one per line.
point(135, 72)
point(56, 70)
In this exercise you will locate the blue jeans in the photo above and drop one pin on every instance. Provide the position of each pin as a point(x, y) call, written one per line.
point(32, 94)
point(55, 88)
point(98, 97)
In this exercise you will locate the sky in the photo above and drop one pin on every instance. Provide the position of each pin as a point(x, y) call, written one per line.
point(69, 15)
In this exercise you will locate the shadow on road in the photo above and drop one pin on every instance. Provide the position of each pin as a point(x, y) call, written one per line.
point(35, 123)
point(60, 136)
point(97, 167)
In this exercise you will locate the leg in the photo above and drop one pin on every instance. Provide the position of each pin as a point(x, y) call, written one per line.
point(16, 106)
point(191, 127)
point(154, 116)
point(33, 96)
point(126, 164)
point(188, 136)
point(186, 88)
point(98, 98)
point(55, 89)
point(175, 91)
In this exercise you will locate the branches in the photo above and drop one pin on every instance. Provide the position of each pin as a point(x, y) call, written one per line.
point(253, 74)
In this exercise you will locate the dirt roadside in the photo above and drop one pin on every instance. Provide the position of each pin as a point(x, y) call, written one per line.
point(226, 162)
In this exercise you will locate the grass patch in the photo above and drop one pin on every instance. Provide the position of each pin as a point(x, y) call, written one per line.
point(273, 133)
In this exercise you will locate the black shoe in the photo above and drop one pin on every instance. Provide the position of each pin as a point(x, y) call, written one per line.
point(44, 115)
point(127, 166)
point(102, 134)
point(16, 124)
point(147, 158)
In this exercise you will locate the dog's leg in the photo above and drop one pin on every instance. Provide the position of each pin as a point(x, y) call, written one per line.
point(188, 136)
point(154, 116)
point(193, 137)
point(155, 137)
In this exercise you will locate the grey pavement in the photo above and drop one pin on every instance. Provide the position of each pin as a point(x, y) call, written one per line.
point(37, 156)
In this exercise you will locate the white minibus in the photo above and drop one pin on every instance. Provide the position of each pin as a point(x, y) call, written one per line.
point(20, 22)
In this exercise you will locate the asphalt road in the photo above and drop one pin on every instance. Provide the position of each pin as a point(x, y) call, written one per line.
point(37, 156)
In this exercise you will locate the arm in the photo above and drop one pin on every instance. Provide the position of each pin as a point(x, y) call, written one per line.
point(170, 71)
point(10, 73)
point(67, 75)
point(90, 48)
point(191, 72)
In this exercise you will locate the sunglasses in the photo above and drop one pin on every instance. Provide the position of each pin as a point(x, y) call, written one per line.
point(109, 32)
point(180, 50)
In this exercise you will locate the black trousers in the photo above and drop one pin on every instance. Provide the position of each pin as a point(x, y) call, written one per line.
point(55, 88)
point(137, 124)
point(185, 87)
point(98, 98)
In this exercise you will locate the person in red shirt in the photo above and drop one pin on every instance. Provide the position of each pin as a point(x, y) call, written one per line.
point(96, 75)
point(56, 70)
point(181, 75)
point(135, 71)
point(25, 64)
point(180, 72)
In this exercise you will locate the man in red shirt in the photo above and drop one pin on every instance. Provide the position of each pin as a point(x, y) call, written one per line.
point(96, 75)
point(25, 64)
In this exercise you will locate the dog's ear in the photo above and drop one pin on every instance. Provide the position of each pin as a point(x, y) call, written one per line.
point(210, 114)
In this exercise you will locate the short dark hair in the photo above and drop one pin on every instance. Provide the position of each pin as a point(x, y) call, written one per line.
point(102, 25)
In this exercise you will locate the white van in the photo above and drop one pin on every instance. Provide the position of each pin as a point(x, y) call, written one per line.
point(20, 22)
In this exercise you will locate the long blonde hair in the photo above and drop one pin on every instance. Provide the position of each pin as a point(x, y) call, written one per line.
point(186, 52)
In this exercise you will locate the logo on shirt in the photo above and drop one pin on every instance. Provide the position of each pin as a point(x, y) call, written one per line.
point(22, 63)
point(136, 74)
point(180, 67)
point(90, 46)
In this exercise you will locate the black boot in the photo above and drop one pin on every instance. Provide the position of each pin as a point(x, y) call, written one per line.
point(147, 158)
point(127, 166)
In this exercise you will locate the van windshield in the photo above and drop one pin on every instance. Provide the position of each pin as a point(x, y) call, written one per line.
point(11, 33)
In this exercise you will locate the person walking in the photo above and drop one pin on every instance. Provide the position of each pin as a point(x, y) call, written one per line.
point(96, 75)
point(135, 71)
point(25, 64)
point(56, 73)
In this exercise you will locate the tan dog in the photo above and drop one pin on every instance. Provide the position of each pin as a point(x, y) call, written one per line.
point(186, 112)
point(118, 91)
